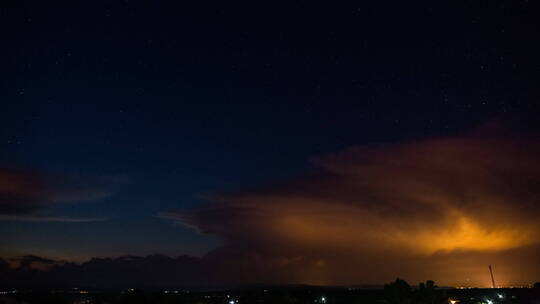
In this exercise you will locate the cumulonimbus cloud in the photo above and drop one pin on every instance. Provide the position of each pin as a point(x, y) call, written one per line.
point(447, 205)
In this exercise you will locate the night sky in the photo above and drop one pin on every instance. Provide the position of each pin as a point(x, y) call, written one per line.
point(301, 142)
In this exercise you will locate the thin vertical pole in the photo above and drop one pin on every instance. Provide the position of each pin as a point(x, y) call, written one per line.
point(492, 279)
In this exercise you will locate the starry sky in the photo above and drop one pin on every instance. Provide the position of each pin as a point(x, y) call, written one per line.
point(219, 130)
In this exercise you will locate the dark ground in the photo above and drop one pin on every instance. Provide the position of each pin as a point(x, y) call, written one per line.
point(297, 294)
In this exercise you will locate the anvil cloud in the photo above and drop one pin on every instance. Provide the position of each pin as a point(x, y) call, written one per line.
point(438, 209)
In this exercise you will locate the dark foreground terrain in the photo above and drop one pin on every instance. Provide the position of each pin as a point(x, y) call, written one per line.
point(391, 293)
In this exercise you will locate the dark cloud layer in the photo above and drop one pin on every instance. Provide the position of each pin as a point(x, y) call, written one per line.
point(21, 192)
point(24, 193)
point(121, 272)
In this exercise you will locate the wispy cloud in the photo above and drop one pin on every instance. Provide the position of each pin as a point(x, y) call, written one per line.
point(26, 218)
point(178, 219)
point(23, 193)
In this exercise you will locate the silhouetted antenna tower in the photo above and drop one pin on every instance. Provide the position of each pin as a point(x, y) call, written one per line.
point(492, 279)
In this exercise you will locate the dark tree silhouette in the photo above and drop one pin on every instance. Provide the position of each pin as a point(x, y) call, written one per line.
point(398, 292)
point(427, 293)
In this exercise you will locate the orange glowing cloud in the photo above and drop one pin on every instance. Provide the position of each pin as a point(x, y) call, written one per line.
point(404, 209)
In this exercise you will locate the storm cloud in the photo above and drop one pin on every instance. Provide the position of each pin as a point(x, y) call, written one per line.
point(441, 209)
point(438, 209)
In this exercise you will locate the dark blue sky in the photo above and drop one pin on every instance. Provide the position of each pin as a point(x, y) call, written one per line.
point(170, 102)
